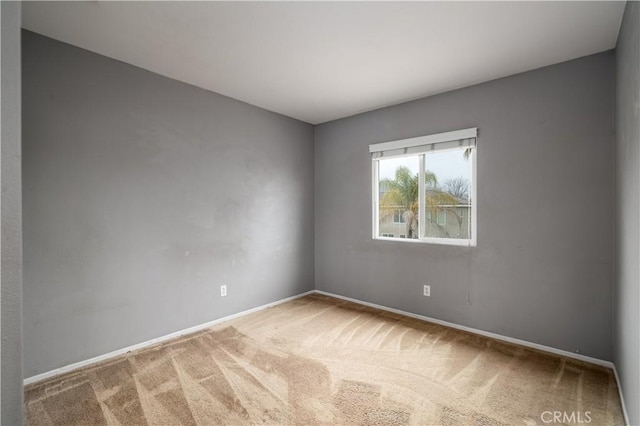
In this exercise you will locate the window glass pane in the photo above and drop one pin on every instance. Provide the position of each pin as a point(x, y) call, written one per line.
point(448, 194)
point(398, 192)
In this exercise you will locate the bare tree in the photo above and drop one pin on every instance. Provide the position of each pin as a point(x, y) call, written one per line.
point(458, 187)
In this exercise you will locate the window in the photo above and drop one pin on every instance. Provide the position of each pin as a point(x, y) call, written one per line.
point(424, 188)
point(398, 216)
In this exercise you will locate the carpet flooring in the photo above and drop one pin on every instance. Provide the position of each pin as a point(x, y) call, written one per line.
point(320, 360)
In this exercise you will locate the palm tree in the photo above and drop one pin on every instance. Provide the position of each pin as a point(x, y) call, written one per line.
point(401, 193)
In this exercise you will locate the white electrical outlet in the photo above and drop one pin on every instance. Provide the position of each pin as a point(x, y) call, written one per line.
point(427, 290)
point(223, 290)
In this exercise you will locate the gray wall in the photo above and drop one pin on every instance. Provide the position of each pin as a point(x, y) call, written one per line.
point(143, 195)
point(11, 231)
point(627, 285)
point(543, 267)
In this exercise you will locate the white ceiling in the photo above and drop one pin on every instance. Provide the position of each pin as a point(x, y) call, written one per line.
point(319, 61)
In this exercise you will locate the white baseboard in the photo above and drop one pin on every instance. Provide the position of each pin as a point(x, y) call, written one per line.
point(624, 407)
point(537, 346)
point(100, 358)
point(600, 362)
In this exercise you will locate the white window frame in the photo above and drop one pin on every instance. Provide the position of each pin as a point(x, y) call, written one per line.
point(394, 147)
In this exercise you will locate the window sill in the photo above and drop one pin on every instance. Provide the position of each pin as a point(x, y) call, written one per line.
point(435, 241)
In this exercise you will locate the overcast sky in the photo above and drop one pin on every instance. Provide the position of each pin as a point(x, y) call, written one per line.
point(445, 164)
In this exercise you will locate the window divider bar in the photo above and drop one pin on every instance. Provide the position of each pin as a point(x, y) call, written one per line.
point(376, 199)
point(421, 198)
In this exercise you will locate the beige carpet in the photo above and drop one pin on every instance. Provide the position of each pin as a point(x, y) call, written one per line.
point(319, 360)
